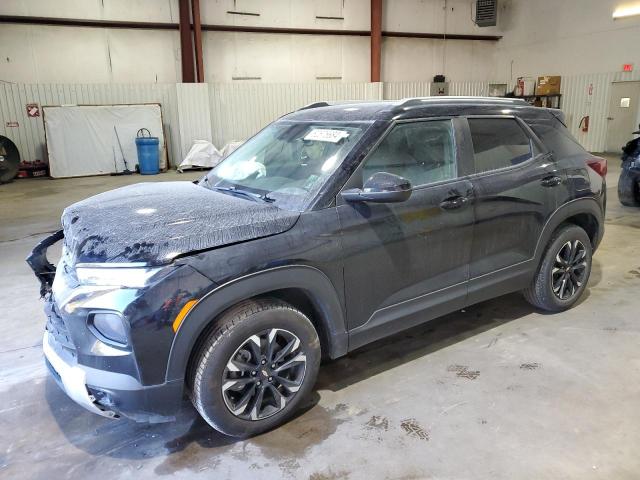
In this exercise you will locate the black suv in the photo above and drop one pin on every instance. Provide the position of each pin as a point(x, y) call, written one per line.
point(333, 227)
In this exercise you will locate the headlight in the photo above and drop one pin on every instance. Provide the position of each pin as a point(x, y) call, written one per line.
point(114, 275)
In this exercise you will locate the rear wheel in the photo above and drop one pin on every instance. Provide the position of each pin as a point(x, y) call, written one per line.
point(628, 191)
point(255, 367)
point(563, 272)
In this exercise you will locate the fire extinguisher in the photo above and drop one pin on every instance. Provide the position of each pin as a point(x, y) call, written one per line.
point(584, 123)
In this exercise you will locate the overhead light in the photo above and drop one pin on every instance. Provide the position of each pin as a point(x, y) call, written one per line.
point(626, 11)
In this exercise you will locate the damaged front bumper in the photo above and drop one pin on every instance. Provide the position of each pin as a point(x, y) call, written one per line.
point(109, 394)
point(104, 379)
point(71, 377)
point(42, 268)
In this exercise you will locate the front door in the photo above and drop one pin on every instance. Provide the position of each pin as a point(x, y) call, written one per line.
point(515, 186)
point(401, 258)
point(623, 114)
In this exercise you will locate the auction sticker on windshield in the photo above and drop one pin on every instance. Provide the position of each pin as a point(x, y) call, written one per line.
point(326, 135)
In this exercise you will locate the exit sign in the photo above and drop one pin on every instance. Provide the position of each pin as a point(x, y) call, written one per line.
point(627, 67)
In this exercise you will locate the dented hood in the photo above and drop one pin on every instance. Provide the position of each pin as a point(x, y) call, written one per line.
point(156, 222)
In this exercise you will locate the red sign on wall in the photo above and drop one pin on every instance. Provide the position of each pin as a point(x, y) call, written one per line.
point(627, 67)
point(33, 110)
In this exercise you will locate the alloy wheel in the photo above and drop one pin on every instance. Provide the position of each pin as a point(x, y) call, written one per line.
point(569, 269)
point(264, 374)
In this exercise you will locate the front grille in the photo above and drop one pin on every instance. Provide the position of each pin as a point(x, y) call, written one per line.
point(57, 328)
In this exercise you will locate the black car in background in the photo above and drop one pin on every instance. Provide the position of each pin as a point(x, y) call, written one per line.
point(629, 181)
point(333, 227)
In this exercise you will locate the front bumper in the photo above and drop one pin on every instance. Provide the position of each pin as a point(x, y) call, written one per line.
point(71, 378)
point(110, 394)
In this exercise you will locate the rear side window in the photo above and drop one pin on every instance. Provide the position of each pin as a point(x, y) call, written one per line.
point(557, 139)
point(498, 143)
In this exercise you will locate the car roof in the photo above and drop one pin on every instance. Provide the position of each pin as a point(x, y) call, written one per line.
point(409, 108)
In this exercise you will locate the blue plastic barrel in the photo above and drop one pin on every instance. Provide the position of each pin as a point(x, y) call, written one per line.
point(148, 153)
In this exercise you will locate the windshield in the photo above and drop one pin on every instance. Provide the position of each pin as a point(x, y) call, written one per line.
point(286, 163)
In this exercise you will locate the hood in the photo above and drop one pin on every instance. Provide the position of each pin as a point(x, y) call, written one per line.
point(156, 222)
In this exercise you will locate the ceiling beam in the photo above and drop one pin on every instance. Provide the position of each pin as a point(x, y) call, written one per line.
point(74, 22)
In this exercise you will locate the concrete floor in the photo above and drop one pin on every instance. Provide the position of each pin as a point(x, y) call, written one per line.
point(498, 391)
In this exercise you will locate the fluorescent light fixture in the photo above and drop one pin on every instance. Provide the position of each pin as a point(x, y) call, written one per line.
point(627, 11)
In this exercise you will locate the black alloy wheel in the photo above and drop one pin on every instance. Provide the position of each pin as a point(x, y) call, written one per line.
point(264, 374)
point(569, 269)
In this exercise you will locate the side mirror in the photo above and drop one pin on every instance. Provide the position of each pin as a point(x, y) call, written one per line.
point(381, 187)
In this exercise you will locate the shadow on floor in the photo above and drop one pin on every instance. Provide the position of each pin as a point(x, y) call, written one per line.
point(189, 435)
point(421, 340)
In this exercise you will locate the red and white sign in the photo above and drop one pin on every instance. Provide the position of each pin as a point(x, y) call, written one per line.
point(33, 110)
point(12, 124)
point(627, 67)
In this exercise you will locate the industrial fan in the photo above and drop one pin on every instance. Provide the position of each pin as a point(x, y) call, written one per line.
point(9, 160)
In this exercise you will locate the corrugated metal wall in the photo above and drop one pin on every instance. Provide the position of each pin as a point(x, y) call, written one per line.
point(29, 136)
point(577, 103)
point(239, 110)
point(194, 114)
point(226, 112)
point(398, 90)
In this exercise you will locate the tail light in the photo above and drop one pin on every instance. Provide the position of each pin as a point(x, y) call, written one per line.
point(599, 165)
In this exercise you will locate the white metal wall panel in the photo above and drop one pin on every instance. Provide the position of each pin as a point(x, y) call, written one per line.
point(238, 110)
point(577, 103)
point(399, 90)
point(469, 89)
point(29, 136)
point(193, 114)
point(235, 111)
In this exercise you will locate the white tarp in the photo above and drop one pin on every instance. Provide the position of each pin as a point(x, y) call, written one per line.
point(204, 154)
point(81, 139)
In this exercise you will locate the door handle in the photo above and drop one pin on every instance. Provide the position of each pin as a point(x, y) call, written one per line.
point(551, 181)
point(451, 203)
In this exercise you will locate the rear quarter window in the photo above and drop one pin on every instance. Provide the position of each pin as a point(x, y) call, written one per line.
point(498, 143)
point(556, 138)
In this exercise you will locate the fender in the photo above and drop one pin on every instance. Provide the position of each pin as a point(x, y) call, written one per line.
point(313, 281)
point(587, 205)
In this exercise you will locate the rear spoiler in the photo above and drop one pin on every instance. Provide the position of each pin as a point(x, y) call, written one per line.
point(42, 268)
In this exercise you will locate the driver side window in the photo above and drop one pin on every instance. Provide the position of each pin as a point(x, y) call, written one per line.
point(422, 152)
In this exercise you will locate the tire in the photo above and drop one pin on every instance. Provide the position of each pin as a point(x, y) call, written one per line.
point(551, 271)
point(241, 339)
point(628, 191)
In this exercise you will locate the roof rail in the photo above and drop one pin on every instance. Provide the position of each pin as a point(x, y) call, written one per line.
point(418, 101)
point(314, 105)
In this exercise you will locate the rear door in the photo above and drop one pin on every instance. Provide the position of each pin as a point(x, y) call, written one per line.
point(403, 258)
point(514, 186)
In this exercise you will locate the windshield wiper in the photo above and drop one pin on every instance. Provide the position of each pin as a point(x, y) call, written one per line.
point(252, 196)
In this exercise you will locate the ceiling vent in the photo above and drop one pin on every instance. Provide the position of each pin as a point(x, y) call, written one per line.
point(486, 13)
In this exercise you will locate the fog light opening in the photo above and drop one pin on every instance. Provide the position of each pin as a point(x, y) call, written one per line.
point(109, 327)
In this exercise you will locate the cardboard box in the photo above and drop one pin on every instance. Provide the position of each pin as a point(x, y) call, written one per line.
point(548, 85)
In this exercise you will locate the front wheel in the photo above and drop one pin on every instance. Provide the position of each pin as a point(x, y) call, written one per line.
point(628, 191)
point(255, 367)
point(563, 272)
